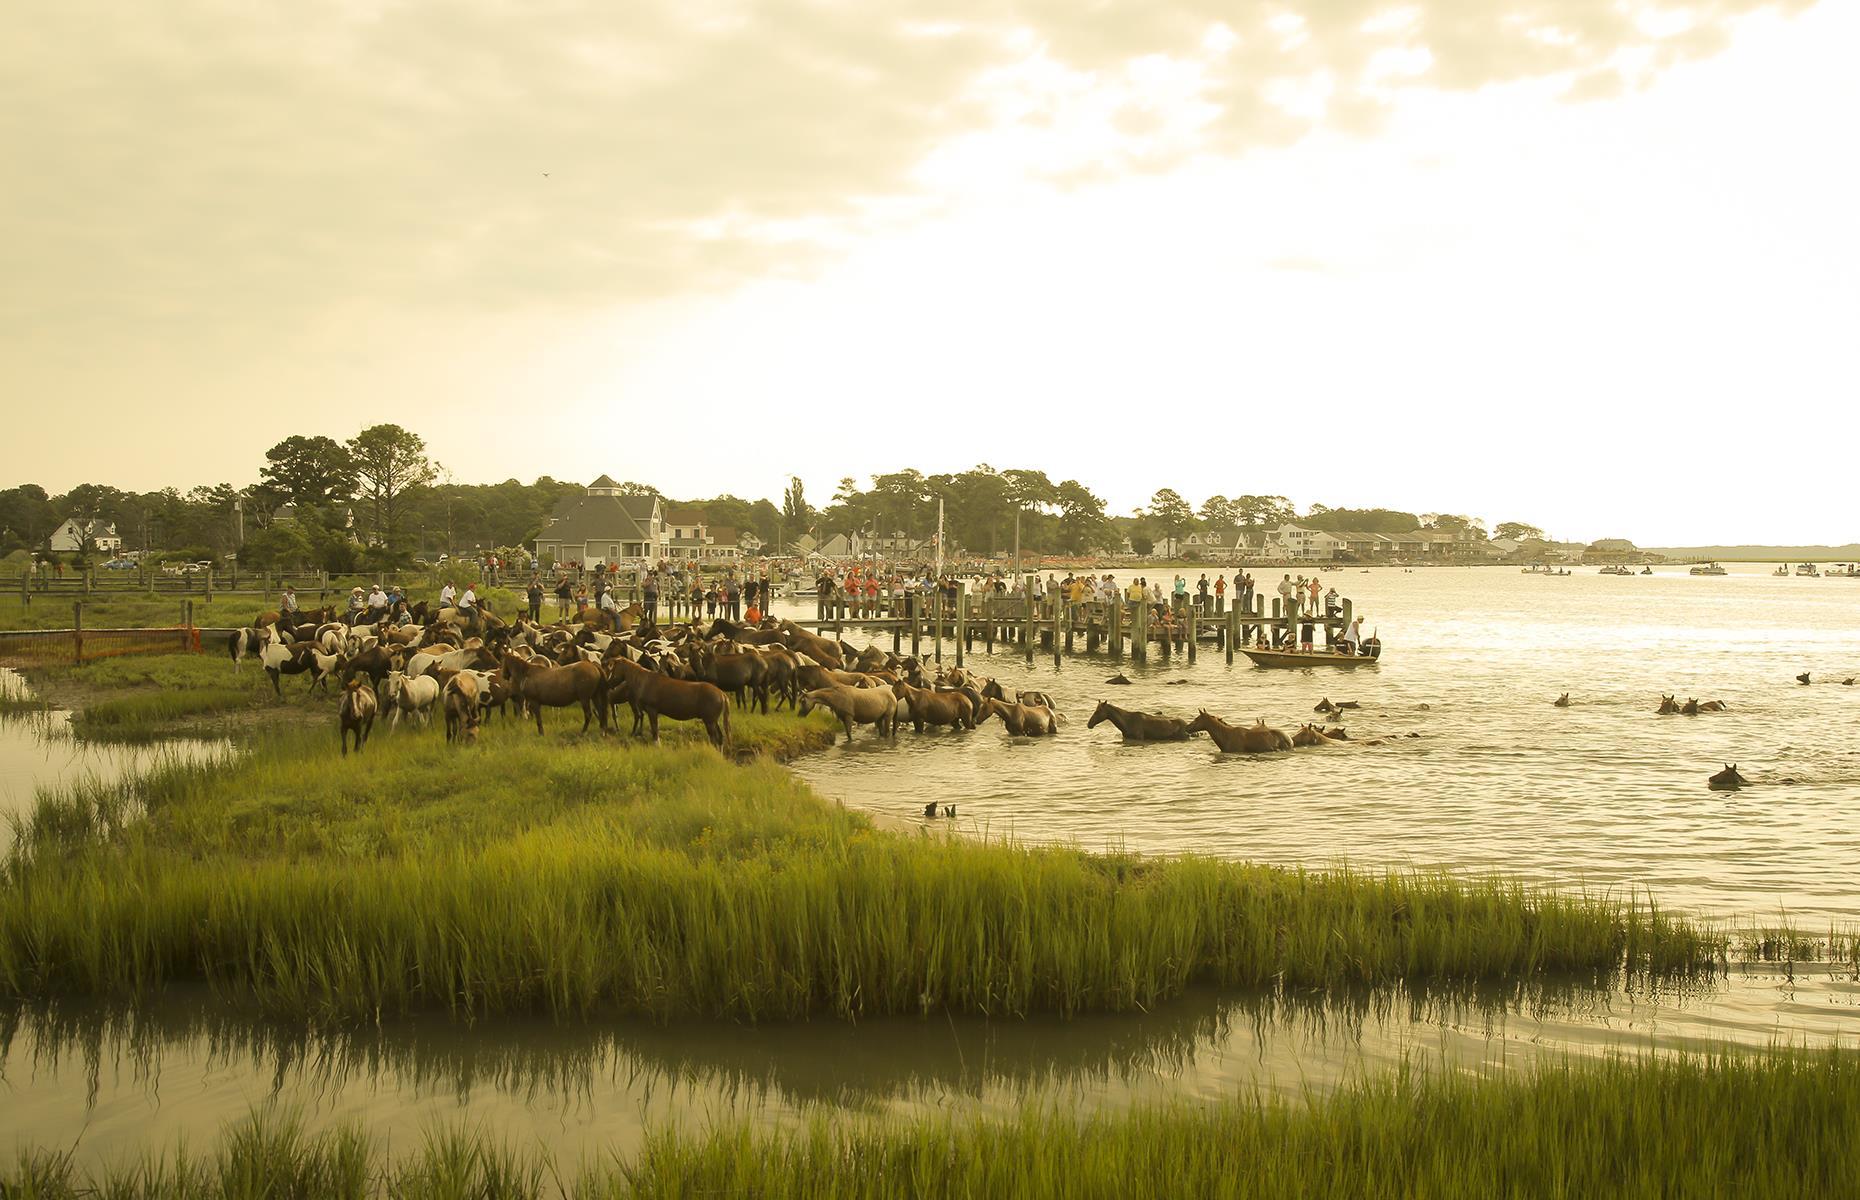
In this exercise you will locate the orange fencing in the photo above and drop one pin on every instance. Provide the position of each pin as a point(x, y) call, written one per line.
point(30, 647)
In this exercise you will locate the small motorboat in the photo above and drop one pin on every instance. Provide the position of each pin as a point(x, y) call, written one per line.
point(1296, 659)
point(1710, 568)
point(1646, 570)
point(1807, 570)
point(1781, 571)
point(1616, 570)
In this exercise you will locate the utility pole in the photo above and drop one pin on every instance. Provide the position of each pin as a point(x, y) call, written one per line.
point(1017, 543)
point(939, 537)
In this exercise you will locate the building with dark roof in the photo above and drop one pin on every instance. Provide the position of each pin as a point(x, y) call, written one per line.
point(603, 526)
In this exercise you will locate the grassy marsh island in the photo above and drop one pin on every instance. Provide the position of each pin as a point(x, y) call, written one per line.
point(579, 876)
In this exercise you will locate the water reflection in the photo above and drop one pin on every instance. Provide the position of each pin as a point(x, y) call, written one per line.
point(37, 750)
point(186, 1065)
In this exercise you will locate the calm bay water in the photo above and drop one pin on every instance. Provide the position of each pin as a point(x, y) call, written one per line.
point(1604, 794)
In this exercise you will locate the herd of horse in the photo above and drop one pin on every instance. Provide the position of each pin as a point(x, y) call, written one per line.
point(470, 669)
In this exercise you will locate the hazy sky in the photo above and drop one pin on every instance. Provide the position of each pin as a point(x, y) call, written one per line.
point(1588, 264)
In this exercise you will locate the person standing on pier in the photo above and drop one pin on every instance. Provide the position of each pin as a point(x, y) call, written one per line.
point(1333, 603)
point(1201, 592)
point(1316, 591)
point(1353, 637)
point(1288, 592)
point(1243, 591)
point(1220, 591)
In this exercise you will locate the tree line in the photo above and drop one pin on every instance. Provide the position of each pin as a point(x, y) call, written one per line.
point(380, 500)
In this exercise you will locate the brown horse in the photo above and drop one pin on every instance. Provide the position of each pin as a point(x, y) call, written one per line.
point(934, 708)
point(1311, 735)
point(1240, 739)
point(461, 703)
point(1139, 727)
point(1561, 701)
point(356, 714)
point(1693, 708)
point(558, 687)
point(876, 707)
point(1022, 720)
point(1668, 706)
point(653, 695)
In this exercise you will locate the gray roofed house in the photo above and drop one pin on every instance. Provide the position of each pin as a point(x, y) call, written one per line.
point(603, 526)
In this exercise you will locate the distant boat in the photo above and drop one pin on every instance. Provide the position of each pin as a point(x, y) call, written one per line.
point(1646, 570)
point(1782, 569)
point(1842, 571)
point(1616, 571)
point(1710, 568)
point(1807, 569)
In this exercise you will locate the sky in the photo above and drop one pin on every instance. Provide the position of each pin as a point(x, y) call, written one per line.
point(1588, 265)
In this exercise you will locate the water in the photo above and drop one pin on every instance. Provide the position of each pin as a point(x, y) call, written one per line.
point(37, 749)
point(1604, 795)
point(110, 1086)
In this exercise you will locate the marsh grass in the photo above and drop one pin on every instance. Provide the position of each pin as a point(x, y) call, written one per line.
point(147, 716)
point(1724, 1124)
point(575, 876)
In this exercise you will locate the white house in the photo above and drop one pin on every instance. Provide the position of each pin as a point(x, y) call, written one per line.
point(69, 537)
point(1299, 541)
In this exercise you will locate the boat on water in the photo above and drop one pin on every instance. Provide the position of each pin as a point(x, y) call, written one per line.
point(1710, 568)
point(1782, 570)
point(1616, 571)
point(1296, 659)
point(1646, 570)
point(1807, 569)
point(1842, 571)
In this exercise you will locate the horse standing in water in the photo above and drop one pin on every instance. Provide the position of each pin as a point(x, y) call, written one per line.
point(1139, 727)
point(1240, 739)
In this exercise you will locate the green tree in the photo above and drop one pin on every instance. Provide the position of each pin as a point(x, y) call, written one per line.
point(1217, 512)
point(794, 509)
point(1083, 525)
point(1171, 515)
point(1141, 542)
point(390, 464)
point(1263, 510)
point(1519, 531)
point(26, 516)
point(310, 472)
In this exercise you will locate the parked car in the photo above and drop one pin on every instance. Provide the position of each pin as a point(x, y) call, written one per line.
point(119, 564)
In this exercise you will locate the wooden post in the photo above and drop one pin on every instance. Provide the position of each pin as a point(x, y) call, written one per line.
point(188, 631)
point(1028, 637)
point(936, 616)
point(1059, 609)
point(77, 633)
point(917, 625)
point(25, 589)
point(1140, 631)
point(209, 585)
point(962, 622)
point(988, 621)
point(1114, 622)
point(1190, 625)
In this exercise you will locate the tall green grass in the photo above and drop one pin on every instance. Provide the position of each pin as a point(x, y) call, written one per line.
point(146, 716)
point(1721, 1125)
point(580, 875)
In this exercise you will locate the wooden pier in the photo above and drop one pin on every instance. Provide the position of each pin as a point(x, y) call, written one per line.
point(927, 626)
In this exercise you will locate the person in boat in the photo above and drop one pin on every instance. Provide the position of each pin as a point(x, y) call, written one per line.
point(1353, 637)
point(1306, 632)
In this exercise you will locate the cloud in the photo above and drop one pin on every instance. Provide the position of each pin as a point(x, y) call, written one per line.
point(238, 169)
